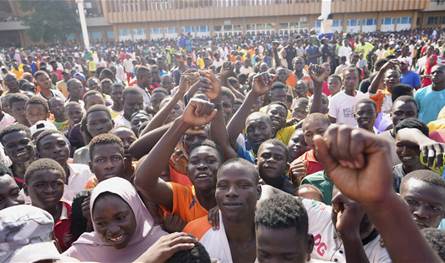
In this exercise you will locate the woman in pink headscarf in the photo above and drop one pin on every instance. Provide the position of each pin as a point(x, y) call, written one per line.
point(123, 227)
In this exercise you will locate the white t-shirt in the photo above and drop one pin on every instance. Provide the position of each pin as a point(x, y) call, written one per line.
point(341, 107)
point(326, 245)
point(121, 121)
point(79, 176)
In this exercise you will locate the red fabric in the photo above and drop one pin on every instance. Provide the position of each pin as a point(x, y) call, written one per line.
point(325, 89)
point(312, 165)
point(438, 136)
point(62, 227)
point(431, 61)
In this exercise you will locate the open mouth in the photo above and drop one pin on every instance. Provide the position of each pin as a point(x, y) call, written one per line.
point(117, 239)
point(22, 153)
point(202, 176)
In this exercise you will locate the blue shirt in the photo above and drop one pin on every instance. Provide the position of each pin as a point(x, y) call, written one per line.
point(410, 78)
point(430, 102)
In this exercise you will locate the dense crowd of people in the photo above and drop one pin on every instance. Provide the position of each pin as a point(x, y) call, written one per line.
point(252, 148)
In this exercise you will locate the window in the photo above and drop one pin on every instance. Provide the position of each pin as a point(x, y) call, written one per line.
point(155, 31)
point(96, 35)
point(110, 34)
point(352, 22)
point(405, 20)
point(171, 30)
point(336, 23)
point(250, 26)
point(371, 22)
point(123, 32)
point(268, 26)
point(227, 27)
point(188, 29)
point(284, 25)
point(318, 23)
point(260, 26)
point(396, 21)
point(139, 31)
point(203, 28)
point(217, 28)
point(236, 27)
point(432, 20)
point(387, 21)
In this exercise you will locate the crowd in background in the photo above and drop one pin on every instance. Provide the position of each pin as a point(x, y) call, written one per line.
point(296, 147)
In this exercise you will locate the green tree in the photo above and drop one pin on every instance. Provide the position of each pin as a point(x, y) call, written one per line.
point(49, 20)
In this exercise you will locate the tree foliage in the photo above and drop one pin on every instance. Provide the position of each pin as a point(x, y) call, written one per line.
point(49, 20)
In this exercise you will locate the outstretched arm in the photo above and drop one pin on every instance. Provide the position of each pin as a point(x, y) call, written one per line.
point(236, 124)
point(318, 75)
point(147, 181)
point(358, 163)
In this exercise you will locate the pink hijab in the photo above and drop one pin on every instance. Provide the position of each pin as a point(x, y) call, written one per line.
point(90, 247)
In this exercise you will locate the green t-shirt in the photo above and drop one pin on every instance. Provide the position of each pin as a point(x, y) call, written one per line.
point(322, 182)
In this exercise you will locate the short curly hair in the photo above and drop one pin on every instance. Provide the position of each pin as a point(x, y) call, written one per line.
point(282, 211)
point(37, 100)
point(43, 164)
point(17, 127)
point(102, 139)
point(436, 239)
point(198, 254)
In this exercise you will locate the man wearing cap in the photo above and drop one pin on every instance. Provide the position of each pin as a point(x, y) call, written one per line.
point(26, 235)
point(409, 77)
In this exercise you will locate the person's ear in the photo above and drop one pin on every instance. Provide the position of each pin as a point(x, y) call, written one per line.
point(310, 246)
point(259, 190)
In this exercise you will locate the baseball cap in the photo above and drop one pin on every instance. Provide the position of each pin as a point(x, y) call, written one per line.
point(40, 126)
point(26, 234)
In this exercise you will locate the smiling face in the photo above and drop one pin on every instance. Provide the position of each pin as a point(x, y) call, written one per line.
point(277, 114)
point(18, 147)
point(202, 167)
point(408, 152)
point(9, 192)
point(237, 191)
point(365, 114)
point(114, 220)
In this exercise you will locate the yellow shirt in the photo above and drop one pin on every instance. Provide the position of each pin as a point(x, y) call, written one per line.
point(285, 134)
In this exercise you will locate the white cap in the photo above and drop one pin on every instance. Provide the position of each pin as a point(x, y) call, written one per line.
point(40, 126)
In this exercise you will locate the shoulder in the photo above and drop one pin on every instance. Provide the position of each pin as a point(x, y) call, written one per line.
point(315, 177)
point(198, 227)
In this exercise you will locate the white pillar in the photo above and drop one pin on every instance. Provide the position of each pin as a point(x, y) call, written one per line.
point(83, 24)
point(325, 26)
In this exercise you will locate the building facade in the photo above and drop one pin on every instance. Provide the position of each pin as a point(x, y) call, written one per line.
point(118, 20)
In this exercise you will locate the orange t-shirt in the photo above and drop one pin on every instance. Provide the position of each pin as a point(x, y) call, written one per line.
point(198, 227)
point(185, 203)
point(378, 98)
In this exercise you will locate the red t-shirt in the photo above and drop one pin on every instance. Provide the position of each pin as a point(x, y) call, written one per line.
point(312, 165)
point(63, 226)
